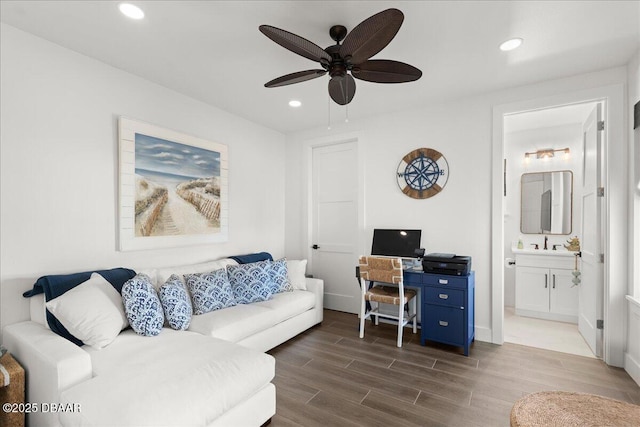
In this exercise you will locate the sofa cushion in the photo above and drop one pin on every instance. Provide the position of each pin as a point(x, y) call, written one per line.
point(296, 272)
point(234, 323)
point(210, 291)
point(55, 285)
point(142, 305)
point(279, 276)
point(251, 282)
point(179, 378)
point(176, 303)
point(92, 311)
point(286, 305)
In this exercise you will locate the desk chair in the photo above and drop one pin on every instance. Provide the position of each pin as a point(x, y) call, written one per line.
point(385, 270)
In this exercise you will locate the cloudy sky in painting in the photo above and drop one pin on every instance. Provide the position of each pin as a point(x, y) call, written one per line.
point(160, 155)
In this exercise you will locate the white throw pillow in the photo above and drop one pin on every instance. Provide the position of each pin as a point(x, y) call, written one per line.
point(295, 271)
point(92, 311)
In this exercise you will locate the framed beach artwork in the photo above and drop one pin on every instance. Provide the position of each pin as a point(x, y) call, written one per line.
point(173, 188)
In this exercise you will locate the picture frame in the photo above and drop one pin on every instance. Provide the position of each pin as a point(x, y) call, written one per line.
point(173, 188)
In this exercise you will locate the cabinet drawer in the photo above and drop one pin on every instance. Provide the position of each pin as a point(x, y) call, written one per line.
point(442, 280)
point(443, 324)
point(444, 296)
point(412, 278)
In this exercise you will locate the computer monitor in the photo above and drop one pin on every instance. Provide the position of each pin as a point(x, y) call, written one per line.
point(400, 243)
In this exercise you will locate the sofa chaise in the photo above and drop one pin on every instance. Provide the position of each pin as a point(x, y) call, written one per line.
point(215, 373)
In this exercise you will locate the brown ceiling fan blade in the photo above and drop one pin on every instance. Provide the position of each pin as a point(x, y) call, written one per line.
point(300, 76)
point(342, 89)
point(295, 43)
point(371, 35)
point(386, 71)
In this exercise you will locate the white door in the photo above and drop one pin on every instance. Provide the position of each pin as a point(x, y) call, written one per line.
point(591, 289)
point(334, 224)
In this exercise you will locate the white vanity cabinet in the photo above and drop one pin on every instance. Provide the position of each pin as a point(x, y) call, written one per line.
point(544, 286)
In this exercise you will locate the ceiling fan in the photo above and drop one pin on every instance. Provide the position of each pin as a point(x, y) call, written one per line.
point(364, 41)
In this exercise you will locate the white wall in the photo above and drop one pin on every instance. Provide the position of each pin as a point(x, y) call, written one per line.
point(59, 197)
point(632, 354)
point(516, 144)
point(456, 220)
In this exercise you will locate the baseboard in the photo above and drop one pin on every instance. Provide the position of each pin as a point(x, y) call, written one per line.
point(632, 367)
point(483, 334)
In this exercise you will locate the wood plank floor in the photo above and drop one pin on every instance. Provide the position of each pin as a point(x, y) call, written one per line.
point(328, 376)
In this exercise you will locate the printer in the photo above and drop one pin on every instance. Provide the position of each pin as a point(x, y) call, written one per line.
point(449, 264)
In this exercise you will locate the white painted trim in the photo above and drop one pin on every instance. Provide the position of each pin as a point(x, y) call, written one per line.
point(483, 334)
point(632, 367)
point(616, 259)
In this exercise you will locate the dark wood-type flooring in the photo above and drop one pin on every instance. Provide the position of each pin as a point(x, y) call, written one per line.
point(327, 376)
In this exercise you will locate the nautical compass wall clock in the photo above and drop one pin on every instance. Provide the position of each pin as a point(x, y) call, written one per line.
point(422, 173)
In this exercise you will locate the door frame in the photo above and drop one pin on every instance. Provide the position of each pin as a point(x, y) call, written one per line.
point(327, 141)
point(614, 212)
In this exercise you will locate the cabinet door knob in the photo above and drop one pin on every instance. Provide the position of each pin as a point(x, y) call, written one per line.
point(443, 296)
point(443, 323)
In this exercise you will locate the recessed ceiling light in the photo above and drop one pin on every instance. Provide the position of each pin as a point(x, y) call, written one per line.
point(130, 10)
point(295, 103)
point(511, 44)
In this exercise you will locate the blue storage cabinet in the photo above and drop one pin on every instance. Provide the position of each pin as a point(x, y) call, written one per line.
point(447, 308)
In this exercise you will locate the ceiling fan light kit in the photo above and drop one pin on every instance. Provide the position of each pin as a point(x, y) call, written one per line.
point(349, 57)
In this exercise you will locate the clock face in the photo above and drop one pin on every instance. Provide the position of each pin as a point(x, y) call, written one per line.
point(422, 173)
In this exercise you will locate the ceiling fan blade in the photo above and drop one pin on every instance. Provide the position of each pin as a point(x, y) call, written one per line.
point(298, 77)
point(371, 35)
point(342, 89)
point(295, 43)
point(386, 71)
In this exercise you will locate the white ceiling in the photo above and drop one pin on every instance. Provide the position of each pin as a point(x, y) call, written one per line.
point(549, 117)
point(213, 51)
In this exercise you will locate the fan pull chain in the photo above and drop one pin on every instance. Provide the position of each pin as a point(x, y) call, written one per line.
point(346, 86)
point(328, 112)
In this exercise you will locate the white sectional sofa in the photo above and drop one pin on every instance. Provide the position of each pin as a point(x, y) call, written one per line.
point(213, 374)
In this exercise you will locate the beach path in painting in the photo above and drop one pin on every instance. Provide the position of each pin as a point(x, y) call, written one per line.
point(180, 217)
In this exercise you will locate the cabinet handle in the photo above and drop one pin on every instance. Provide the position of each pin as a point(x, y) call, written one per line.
point(546, 280)
point(443, 323)
point(443, 296)
point(443, 281)
point(554, 281)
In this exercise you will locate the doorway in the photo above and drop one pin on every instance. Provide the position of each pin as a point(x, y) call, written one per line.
point(335, 221)
point(614, 216)
point(543, 150)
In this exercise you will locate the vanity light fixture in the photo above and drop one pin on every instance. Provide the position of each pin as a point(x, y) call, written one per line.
point(131, 11)
point(546, 153)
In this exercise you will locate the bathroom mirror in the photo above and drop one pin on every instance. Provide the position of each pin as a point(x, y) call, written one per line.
point(546, 202)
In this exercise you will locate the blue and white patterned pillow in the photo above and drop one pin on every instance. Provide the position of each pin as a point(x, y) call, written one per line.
point(176, 303)
point(279, 276)
point(209, 291)
point(251, 282)
point(142, 306)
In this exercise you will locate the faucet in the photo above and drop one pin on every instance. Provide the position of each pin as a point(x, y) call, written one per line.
point(546, 239)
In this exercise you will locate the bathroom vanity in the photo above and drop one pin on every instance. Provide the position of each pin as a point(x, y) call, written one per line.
point(544, 286)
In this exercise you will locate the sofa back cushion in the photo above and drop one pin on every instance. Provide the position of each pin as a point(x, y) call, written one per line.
point(209, 291)
point(176, 303)
point(251, 282)
point(142, 305)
